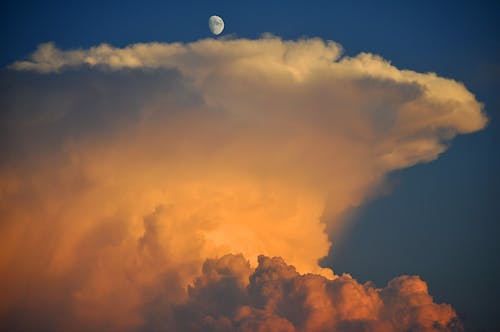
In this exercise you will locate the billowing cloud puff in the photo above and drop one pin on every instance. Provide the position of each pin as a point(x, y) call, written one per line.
point(277, 298)
point(123, 170)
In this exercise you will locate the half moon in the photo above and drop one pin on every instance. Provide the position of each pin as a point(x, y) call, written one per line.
point(216, 24)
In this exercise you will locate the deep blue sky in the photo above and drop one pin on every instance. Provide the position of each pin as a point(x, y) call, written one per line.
point(442, 219)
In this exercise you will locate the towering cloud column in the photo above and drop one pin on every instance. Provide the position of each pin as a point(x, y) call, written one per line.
point(124, 169)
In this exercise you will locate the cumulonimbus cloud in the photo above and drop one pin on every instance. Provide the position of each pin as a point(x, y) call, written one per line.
point(124, 169)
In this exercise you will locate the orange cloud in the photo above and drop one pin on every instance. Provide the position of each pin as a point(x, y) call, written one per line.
point(277, 298)
point(123, 170)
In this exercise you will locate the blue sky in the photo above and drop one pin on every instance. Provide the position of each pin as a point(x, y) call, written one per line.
point(441, 219)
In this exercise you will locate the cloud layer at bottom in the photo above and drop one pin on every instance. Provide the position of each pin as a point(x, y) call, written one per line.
point(229, 296)
point(126, 172)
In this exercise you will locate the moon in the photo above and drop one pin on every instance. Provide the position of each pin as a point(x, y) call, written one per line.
point(215, 24)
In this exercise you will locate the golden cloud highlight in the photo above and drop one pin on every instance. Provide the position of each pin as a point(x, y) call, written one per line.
point(124, 170)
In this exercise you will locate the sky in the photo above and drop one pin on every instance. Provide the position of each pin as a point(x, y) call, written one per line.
point(124, 168)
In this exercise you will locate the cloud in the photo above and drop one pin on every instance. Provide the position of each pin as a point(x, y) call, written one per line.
point(277, 298)
point(123, 170)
